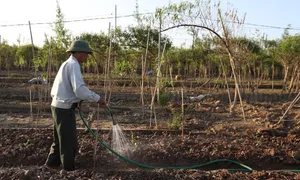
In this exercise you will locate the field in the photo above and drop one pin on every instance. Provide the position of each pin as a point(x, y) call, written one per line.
point(210, 133)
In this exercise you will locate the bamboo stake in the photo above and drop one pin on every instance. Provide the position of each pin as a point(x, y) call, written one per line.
point(171, 78)
point(227, 87)
point(49, 69)
point(142, 88)
point(143, 72)
point(107, 71)
point(158, 79)
point(182, 111)
point(296, 99)
point(32, 48)
point(30, 102)
point(152, 107)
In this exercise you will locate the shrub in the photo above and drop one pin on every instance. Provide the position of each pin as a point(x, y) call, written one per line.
point(163, 99)
point(176, 120)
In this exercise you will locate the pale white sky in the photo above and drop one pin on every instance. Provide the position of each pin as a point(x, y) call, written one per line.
point(276, 13)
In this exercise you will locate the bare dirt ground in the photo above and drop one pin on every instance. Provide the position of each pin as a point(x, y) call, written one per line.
point(210, 133)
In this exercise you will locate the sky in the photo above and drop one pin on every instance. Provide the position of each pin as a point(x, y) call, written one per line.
point(268, 17)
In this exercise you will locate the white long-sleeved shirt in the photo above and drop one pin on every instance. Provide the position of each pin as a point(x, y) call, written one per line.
point(69, 87)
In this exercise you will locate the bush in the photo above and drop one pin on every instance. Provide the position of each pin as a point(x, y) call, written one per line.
point(163, 99)
point(176, 121)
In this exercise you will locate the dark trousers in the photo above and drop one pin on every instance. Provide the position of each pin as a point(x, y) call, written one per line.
point(64, 147)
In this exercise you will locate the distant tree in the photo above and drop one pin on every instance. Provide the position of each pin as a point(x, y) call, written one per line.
point(136, 38)
point(203, 14)
point(25, 57)
point(270, 50)
point(62, 36)
point(288, 53)
point(61, 40)
point(7, 55)
point(99, 42)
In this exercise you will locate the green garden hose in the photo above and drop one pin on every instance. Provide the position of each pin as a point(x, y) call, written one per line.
point(246, 168)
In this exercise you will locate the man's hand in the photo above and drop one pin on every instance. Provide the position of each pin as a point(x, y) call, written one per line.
point(102, 103)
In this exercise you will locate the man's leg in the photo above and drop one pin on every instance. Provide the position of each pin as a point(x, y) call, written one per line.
point(66, 127)
point(53, 159)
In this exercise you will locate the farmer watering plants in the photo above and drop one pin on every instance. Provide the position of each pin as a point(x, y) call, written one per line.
point(67, 91)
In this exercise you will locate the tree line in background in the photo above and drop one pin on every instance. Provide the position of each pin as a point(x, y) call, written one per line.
point(138, 49)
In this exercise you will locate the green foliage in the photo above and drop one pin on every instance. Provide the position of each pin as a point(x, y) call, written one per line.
point(37, 63)
point(25, 51)
point(98, 42)
point(59, 55)
point(136, 38)
point(124, 67)
point(59, 43)
point(21, 62)
point(288, 50)
point(176, 121)
point(163, 98)
point(25, 56)
point(248, 44)
point(90, 65)
point(62, 37)
point(7, 55)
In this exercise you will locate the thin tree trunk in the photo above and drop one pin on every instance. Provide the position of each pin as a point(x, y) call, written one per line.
point(237, 89)
point(286, 70)
point(293, 79)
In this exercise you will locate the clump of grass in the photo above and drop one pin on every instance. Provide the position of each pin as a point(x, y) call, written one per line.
point(176, 121)
point(163, 99)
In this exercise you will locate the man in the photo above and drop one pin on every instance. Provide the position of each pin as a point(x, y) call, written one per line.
point(67, 90)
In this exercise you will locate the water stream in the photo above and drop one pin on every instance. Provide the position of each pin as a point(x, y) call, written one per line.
point(120, 143)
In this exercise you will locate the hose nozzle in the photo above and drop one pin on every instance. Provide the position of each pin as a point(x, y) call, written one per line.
point(112, 117)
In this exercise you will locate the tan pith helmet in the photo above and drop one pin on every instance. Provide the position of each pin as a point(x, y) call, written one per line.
point(80, 46)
